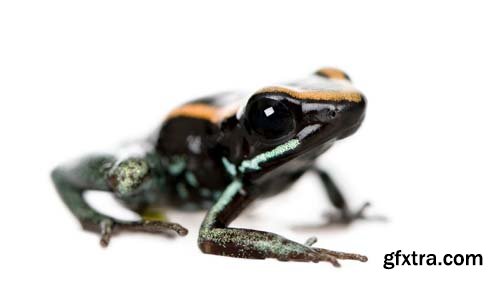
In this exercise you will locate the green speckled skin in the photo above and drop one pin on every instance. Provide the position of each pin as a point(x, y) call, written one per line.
point(206, 157)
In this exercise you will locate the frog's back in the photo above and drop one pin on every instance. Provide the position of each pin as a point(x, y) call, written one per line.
point(187, 144)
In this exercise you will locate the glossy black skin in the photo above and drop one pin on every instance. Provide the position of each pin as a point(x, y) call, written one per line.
point(234, 140)
point(182, 166)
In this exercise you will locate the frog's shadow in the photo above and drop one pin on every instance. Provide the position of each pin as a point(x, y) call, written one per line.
point(192, 220)
point(325, 226)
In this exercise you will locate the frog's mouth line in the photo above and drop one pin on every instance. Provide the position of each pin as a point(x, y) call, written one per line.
point(287, 151)
point(350, 130)
point(343, 133)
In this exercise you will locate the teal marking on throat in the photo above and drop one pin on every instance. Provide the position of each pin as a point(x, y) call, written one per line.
point(216, 195)
point(176, 165)
point(191, 179)
point(204, 192)
point(255, 162)
point(182, 191)
point(230, 168)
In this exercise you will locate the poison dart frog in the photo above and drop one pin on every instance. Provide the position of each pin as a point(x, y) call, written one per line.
point(221, 153)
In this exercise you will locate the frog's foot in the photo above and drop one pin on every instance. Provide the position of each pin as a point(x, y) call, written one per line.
point(347, 216)
point(331, 256)
point(109, 227)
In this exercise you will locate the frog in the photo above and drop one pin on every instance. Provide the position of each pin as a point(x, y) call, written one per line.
point(219, 154)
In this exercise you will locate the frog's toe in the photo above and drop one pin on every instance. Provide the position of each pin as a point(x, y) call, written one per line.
point(346, 216)
point(311, 241)
point(320, 254)
point(106, 227)
point(334, 256)
point(154, 226)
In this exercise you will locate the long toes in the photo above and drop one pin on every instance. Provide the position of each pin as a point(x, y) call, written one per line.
point(321, 255)
point(333, 260)
point(164, 227)
point(342, 255)
point(179, 229)
point(361, 211)
point(311, 241)
point(349, 256)
point(347, 217)
point(379, 218)
point(360, 214)
point(106, 227)
point(105, 240)
point(334, 218)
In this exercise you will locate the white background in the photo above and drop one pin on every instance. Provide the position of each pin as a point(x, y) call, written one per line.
point(82, 76)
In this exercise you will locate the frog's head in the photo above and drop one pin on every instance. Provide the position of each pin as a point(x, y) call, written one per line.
point(283, 122)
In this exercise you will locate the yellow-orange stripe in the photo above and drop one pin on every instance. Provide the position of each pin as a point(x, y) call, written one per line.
point(332, 73)
point(323, 95)
point(203, 111)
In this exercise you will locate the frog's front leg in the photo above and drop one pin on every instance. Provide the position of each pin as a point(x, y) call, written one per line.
point(91, 174)
point(217, 238)
point(346, 215)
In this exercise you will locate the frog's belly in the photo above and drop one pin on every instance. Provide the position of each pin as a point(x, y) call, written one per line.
point(186, 196)
point(196, 189)
point(281, 178)
point(188, 189)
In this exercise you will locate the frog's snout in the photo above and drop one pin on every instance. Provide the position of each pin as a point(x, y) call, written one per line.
point(348, 116)
point(345, 117)
point(355, 110)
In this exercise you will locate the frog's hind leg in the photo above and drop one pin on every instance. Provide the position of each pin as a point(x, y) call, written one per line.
point(71, 183)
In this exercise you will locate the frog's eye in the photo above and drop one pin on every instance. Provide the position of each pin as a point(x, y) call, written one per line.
point(270, 118)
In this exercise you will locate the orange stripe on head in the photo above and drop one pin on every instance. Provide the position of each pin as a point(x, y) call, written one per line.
point(204, 111)
point(320, 95)
point(332, 73)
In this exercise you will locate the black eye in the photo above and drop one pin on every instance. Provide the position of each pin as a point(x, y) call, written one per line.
point(270, 118)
